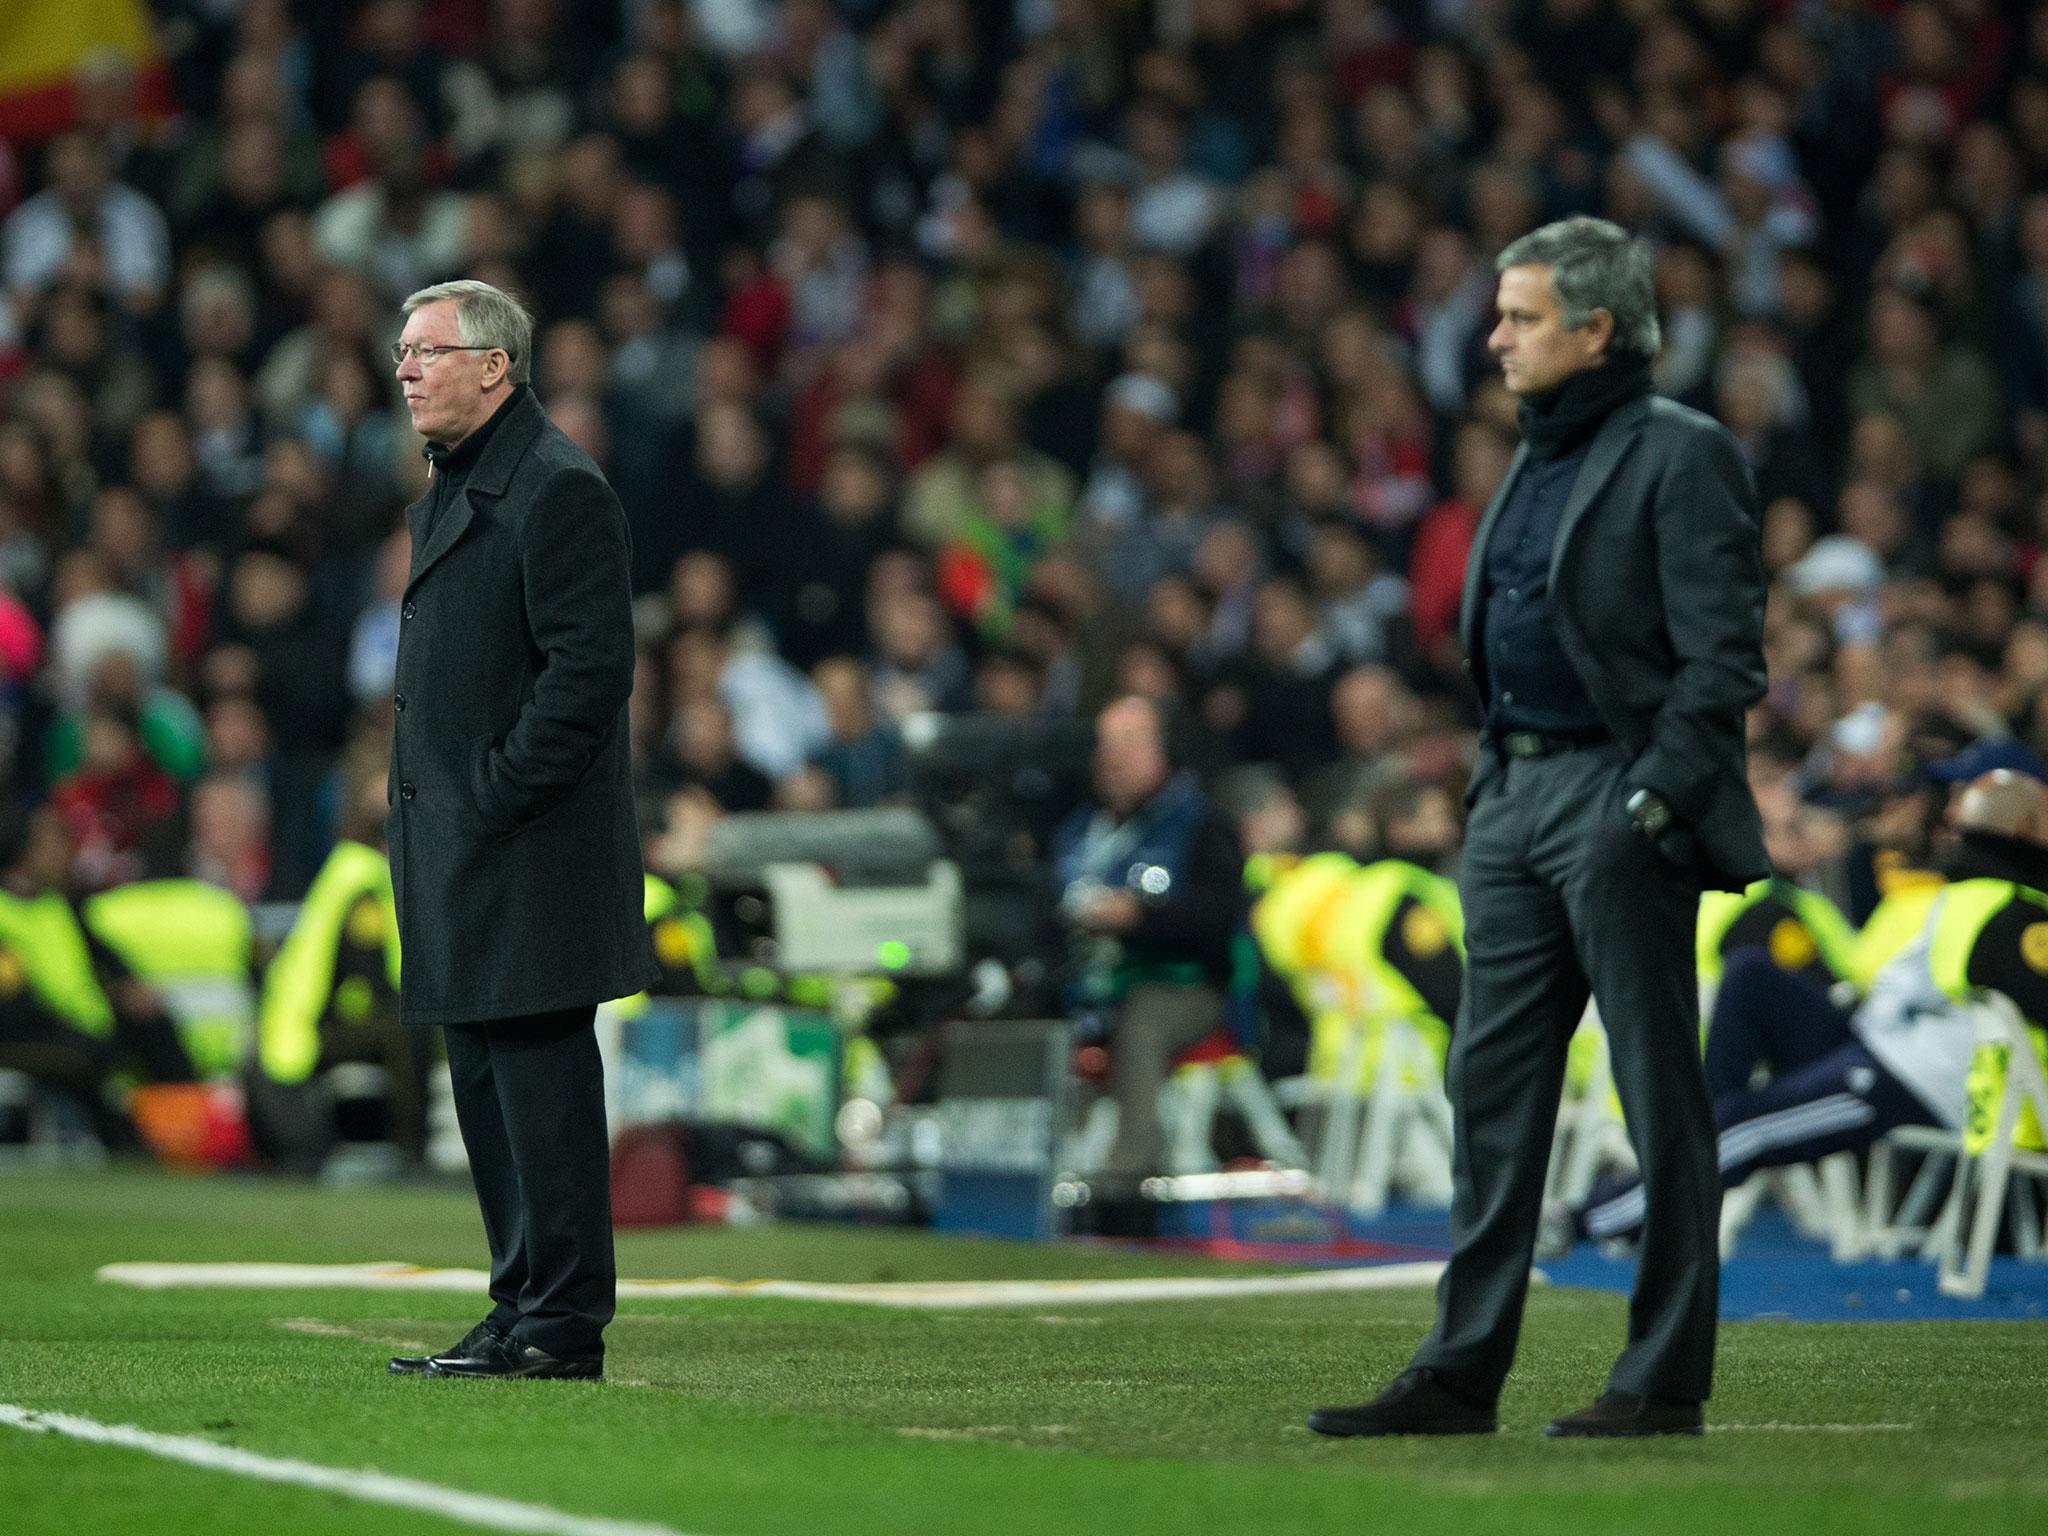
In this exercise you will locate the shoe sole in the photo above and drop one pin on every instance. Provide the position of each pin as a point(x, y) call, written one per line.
point(1336, 1432)
point(409, 1369)
point(1554, 1433)
point(533, 1373)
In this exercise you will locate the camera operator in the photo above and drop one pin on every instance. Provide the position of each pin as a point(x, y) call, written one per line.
point(1152, 891)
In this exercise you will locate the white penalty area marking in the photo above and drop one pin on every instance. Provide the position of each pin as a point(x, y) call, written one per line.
point(325, 1330)
point(372, 1487)
point(1811, 1429)
point(939, 1295)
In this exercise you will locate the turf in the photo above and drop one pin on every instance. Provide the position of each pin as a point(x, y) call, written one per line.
point(751, 1417)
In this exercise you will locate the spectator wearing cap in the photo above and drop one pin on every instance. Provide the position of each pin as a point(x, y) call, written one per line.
point(1990, 754)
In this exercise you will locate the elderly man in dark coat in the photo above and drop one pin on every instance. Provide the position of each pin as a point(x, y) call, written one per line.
point(515, 857)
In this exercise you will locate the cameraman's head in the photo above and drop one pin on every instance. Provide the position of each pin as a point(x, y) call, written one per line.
point(1132, 761)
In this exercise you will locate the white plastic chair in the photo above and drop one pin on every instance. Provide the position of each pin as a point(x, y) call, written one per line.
point(1963, 1268)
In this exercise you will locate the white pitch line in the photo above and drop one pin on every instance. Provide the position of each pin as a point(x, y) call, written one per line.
point(371, 1486)
point(1812, 1429)
point(944, 1295)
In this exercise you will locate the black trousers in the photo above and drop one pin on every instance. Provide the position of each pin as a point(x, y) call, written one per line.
point(1826, 1092)
point(1561, 896)
point(529, 1095)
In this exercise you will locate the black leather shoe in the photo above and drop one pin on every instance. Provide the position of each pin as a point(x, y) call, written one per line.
point(1416, 1402)
point(503, 1359)
point(1625, 1415)
point(472, 1341)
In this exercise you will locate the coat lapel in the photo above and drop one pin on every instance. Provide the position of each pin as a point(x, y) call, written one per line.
point(490, 477)
point(1610, 446)
point(1475, 562)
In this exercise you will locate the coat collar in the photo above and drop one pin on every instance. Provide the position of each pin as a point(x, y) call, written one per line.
point(492, 476)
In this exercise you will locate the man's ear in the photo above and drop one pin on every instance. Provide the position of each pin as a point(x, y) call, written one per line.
point(494, 369)
point(1599, 329)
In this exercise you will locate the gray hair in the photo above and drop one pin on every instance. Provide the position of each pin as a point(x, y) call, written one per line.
point(1593, 265)
point(485, 317)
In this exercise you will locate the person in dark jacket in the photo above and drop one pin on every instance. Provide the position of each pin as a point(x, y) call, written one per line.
point(514, 845)
point(1152, 889)
point(1613, 625)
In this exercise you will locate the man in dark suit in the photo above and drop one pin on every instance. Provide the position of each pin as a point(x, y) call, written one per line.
point(1612, 622)
point(515, 856)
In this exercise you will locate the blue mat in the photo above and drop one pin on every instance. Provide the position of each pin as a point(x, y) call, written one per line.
point(1774, 1273)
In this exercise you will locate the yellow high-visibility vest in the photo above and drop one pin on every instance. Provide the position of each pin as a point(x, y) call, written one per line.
point(300, 981)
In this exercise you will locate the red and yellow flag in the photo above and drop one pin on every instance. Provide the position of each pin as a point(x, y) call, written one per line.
point(42, 45)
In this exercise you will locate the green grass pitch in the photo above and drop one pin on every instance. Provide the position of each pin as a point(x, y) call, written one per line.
point(738, 1417)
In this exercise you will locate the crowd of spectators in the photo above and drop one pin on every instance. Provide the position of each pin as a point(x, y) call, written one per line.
point(1001, 356)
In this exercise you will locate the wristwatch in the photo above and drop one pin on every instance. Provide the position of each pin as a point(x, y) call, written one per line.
point(1648, 814)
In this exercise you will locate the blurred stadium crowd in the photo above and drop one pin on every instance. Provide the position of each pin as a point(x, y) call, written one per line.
point(1004, 358)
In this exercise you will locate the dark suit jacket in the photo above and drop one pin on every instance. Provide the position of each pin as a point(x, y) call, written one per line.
point(1657, 592)
point(515, 852)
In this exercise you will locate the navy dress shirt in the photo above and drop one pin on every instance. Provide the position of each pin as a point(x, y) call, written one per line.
point(1531, 683)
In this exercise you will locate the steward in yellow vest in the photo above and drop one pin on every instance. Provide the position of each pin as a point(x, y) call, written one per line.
point(191, 942)
point(330, 997)
point(76, 978)
point(1361, 945)
point(1800, 930)
point(41, 1045)
point(1840, 1078)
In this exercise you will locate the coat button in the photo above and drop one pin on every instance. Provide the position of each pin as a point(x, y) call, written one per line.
point(406, 791)
point(408, 610)
point(398, 703)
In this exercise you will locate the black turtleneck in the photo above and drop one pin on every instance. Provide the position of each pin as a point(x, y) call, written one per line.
point(1563, 418)
point(1531, 684)
point(451, 466)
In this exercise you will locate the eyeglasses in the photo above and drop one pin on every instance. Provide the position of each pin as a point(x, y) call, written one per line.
point(401, 350)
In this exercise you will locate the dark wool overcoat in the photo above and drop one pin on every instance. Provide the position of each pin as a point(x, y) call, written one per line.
point(515, 852)
point(1657, 593)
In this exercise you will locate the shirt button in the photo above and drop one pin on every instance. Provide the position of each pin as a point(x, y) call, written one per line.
point(398, 703)
point(1505, 698)
point(408, 610)
point(406, 791)
point(1514, 593)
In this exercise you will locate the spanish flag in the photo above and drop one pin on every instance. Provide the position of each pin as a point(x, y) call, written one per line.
point(45, 43)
